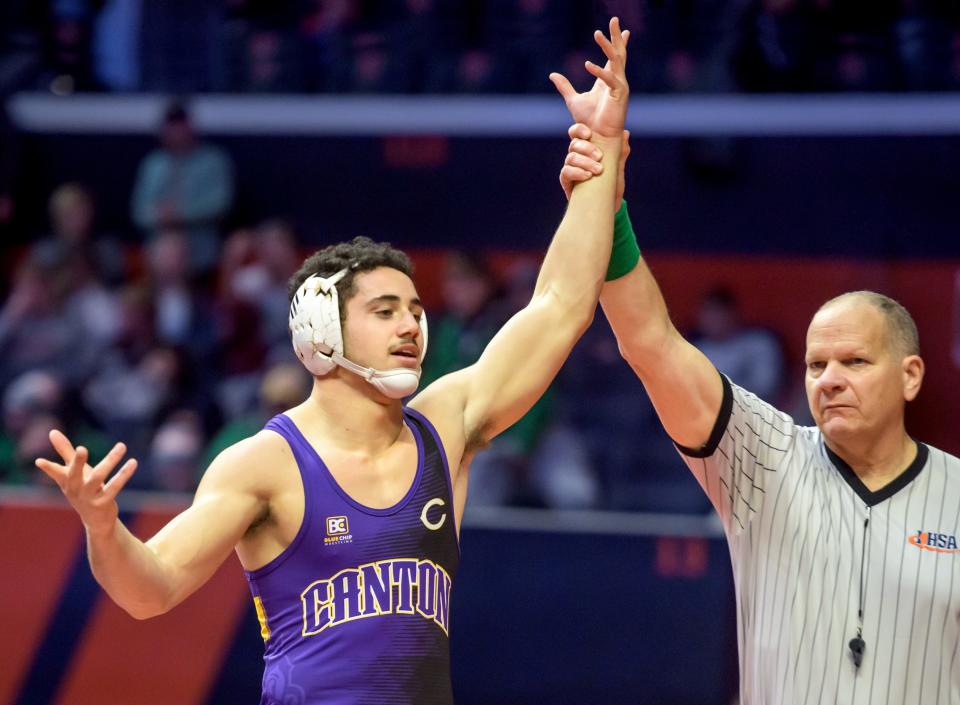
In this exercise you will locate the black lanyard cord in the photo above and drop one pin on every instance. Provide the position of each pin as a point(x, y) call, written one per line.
point(857, 644)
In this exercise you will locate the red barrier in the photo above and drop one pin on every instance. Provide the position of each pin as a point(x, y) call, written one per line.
point(174, 658)
point(38, 546)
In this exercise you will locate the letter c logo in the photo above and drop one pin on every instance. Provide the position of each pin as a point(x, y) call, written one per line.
point(433, 526)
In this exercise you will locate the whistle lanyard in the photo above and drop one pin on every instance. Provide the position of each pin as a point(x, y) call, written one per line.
point(857, 644)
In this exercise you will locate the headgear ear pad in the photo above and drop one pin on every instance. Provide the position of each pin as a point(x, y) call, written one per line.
point(318, 337)
point(315, 322)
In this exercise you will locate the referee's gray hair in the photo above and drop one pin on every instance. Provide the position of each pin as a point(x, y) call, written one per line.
point(900, 324)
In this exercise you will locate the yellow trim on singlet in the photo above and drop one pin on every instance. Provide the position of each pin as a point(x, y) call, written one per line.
point(262, 617)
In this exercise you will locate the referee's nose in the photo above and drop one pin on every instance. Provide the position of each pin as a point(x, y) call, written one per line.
point(832, 380)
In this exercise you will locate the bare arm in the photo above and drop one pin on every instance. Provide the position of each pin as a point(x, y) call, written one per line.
point(522, 359)
point(147, 579)
point(682, 383)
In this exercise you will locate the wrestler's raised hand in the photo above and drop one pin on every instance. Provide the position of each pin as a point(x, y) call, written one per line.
point(603, 108)
point(85, 487)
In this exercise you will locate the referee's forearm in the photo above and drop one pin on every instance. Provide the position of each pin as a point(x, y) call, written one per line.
point(638, 315)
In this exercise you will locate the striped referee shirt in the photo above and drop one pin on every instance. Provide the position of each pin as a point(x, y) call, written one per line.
point(810, 544)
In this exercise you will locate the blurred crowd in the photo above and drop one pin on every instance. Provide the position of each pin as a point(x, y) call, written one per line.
point(176, 342)
point(474, 46)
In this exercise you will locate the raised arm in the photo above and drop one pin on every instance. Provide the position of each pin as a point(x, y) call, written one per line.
point(522, 359)
point(682, 383)
point(147, 579)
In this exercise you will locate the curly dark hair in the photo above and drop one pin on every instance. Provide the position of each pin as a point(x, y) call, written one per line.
point(360, 254)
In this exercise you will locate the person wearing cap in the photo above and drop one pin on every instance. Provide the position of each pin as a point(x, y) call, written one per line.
point(184, 185)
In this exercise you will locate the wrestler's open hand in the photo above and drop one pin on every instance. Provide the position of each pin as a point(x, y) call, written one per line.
point(85, 487)
point(603, 108)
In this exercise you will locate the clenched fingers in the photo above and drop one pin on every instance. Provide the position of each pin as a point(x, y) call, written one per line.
point(585, 148)
point(570, 175)
point(581, 161)
point(579, 131)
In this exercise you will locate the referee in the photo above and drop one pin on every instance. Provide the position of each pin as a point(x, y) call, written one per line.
point(844, 536)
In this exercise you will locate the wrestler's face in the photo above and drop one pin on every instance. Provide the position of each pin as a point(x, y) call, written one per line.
point(381, 327)
point(857, 376)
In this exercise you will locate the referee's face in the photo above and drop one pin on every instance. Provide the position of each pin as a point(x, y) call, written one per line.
point(857, 382)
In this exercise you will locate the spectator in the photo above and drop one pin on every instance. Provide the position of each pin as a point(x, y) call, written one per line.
point(70, 46)
point(138, 380)
point(251, 310)
point(749, 356)
point(924, 33)
point(173, 462)
point(89, 302)
point(262, 48)
point(34, 439)
point(370, 65)
point(182, 316)
point(326, 29)
point(9, 163)
point(475, 71)
point(528, 41)
point(696, 45)
point(36, 329)
point(859, 42)
point(283, 386)
point(265, 282)
point(23, 24)
point(535, 461)
point(241, 351)
point(129, 394)
point(473, 311)
point(550, 452)
point(73, 234)
point(31, 395)
point(176, 43)
point(633, 459)
point(420, 40)
point(32, 405)
point(184, 184)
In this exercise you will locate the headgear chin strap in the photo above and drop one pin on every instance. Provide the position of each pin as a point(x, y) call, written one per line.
point(318, 338)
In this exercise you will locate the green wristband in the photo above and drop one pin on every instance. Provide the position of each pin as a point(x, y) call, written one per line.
point(625, 252)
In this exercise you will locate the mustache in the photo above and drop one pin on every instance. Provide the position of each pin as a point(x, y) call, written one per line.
point(405, 341)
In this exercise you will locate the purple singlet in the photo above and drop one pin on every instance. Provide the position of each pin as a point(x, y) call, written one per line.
point(356, 610)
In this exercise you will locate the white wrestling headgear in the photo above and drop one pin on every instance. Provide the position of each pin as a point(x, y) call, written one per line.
point(318, 338)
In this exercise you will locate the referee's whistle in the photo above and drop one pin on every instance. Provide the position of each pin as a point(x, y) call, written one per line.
point(857, 646)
